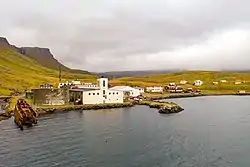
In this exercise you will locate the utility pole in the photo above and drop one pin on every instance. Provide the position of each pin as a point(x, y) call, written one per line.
point(60, 73)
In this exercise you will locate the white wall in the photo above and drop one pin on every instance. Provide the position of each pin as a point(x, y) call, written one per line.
point(92, 97)
point(154, 89)
point(132, 91)
point(135, 92)
point(97, 97)
point(114, 97)
point(141, 90)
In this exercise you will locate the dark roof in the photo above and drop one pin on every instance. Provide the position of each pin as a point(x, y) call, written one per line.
point(82, 89)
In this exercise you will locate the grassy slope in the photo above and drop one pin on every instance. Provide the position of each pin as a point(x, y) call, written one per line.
point(206, 76)
point(20, 72)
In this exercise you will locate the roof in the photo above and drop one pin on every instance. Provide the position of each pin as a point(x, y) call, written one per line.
point(82, 89)
point(123, 88)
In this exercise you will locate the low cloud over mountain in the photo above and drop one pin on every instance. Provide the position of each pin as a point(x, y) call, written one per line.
point(134, 34)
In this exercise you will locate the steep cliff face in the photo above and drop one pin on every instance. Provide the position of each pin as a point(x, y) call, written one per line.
point(43, 56)
point(20, 69)
point(4, 42)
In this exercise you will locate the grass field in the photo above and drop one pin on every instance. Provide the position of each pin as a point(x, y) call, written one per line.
point(208, 77)
point(18, 72)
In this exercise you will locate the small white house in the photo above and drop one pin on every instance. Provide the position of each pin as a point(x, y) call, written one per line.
point(198, 83)
point(155, 89)
point(215, 83)
point(241, 91)
point(141, 90)
point(67, 83)
point(98, 95)
point(183, 82)
point(132, 92)
point(171, 84)
point(223, 81)
point(238, 83)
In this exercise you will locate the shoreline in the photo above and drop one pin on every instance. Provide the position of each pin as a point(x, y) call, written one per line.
point(190, 95)
point(43, 110)
point(165, 107)
point(162, 107)
point(150, 101)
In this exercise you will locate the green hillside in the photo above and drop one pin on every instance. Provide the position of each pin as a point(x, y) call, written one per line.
point(19, 72)
point(208, 77)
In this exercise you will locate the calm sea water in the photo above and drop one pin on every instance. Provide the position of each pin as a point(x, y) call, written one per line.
point(212, 131)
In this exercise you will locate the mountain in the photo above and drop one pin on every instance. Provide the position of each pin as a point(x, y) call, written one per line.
point(208, 77)
point(46, 59)
point(18, 71)
point(41, 55)
point(120, 74)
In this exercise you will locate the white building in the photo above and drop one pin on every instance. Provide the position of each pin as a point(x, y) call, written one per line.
point(67, 83)
point(141, 90)
point(223, 81)
point(183, 82)
point(215, 83)
point(97, 95)
point(132, 92)
point(198, 83)
point(86, 85)
point(171, 84)
point(155, 89)
point(238, 82)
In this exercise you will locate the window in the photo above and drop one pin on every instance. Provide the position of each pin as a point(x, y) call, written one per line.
point(113, 93)
point(93, 93)
point(117, 93)
point(89, 93)
point(109, 93)
point(104, 92)
point(103, 84)
point(97, 93)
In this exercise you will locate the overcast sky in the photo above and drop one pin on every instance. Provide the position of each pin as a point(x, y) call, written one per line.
point(107, 35)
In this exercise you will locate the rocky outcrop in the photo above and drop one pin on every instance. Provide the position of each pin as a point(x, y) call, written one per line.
point(4, 42)
point(170, 110)
point(46, 58)
point(164, 107)
point(43, 56)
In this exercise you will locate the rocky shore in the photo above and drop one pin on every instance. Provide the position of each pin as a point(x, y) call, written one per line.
point(188, 95)
point(53, 109)
point(3, 106)
point(163, 107)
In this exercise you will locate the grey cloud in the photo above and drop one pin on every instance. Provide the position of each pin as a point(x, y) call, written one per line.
point(127, 35)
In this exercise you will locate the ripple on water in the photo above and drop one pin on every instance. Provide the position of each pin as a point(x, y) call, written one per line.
point(207, 133)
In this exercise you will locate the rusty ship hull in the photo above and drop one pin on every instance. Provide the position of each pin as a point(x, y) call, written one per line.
point(24, 115)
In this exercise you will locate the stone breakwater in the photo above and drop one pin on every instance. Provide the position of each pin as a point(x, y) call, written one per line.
point(53, 109)
point(163, 107)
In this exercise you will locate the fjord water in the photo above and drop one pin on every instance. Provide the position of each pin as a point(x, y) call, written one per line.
point(211, 131)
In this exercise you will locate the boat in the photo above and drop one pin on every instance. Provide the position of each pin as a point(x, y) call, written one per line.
point(24, 114)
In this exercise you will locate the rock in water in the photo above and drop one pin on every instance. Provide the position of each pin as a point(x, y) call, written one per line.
point(170, 110)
